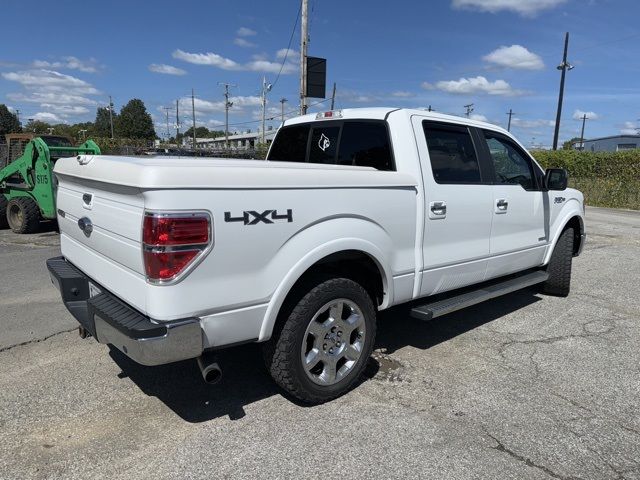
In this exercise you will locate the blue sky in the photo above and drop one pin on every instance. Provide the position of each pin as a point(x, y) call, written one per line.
point(60, 60)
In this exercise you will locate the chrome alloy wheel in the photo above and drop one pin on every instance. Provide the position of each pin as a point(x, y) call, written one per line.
point(333, 342)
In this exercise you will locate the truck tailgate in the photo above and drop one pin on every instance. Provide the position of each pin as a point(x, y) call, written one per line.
point(102, 218)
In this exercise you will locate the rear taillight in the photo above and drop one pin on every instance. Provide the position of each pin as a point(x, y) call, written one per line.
point(172, 242)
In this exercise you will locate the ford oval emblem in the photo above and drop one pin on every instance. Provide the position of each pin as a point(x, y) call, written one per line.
point(86, 226)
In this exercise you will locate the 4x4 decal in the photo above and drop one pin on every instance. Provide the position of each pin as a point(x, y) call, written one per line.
point(251, 217)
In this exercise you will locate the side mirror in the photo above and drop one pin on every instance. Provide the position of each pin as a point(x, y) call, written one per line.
point(555, 179)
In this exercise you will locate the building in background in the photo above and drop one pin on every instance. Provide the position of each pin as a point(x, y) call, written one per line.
point(237, 141)
point(614, 143)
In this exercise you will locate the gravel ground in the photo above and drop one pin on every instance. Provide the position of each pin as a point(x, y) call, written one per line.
point(524, 386)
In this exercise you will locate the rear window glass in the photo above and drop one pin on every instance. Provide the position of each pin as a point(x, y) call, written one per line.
point(290, 144)
point(359, 143)
point(365, 144)
point(324, 144)
point(452, 154)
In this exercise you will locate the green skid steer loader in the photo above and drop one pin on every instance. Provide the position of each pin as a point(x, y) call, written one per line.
point(27, 189)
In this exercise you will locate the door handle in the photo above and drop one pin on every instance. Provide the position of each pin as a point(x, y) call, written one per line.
point(438, 209)
point(501, 205)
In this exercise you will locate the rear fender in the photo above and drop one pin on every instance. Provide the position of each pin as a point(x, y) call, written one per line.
point(316, 243)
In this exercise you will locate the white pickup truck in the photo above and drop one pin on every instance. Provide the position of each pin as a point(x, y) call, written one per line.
point(354, 211)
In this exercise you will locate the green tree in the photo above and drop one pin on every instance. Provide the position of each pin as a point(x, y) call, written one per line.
point(38, 126)
point(135, 122)
point(201, 132)
point(568, 145)
point(8, 122)
point(102, 125)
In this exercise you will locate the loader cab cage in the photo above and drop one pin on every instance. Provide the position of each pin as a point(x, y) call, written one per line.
point(27, 182)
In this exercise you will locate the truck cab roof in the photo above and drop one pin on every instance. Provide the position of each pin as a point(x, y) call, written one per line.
point(382, 113)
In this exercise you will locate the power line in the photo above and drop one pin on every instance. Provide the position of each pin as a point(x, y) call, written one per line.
point(293, 32)
point(290, 112)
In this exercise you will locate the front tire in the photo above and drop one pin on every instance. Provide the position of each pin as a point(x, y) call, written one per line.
point(319, 351)
point(23, 215)
point(3, 212)
point(559, 268)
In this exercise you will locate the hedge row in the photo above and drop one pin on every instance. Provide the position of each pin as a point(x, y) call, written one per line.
point(607, 179)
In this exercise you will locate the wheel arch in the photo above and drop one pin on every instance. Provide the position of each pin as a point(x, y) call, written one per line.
point(571, 219)
point(356, 259)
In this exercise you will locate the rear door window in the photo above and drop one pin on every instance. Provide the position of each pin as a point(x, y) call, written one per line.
point(452, 154)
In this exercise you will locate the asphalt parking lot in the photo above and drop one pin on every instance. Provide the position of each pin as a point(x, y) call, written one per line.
point(525, 386)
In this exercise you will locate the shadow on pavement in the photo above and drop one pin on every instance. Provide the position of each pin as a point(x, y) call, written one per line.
point(245, 379)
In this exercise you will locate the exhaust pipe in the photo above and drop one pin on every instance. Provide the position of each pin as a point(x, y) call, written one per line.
point(211, 371)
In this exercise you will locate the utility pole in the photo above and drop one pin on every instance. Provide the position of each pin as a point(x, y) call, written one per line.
point(469, 109)
point(111, 114)
point(282, 102)
point(266, 87)
point(584, 119)
point(166, 109)
point(333, 96)
point(18, 116)
point(177, 122)
point(510, 113)
point(304, 38)
point(227, 106)
point(193, 112)
point(84, 133)
point(564, 66)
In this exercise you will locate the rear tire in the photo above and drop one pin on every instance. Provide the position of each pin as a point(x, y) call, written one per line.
point(3, 212)
point(559, 268)
point(23, 215)
point(320, 349)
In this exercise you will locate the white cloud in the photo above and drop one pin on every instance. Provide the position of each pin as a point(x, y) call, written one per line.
point(208, 58)
point(47, 117)
point(59, 96)
point(630, 128)
point(351, 96)
point(166, 69)
point(527, 8)
point(245, 32)
point(286, 52)
point(242, 42)
point(206, 107)
point(65, 110)
point(529, 124)
point(213, 124)
point(271, 67)
point(479, 117)
point(515, 56)
point(578, 114)
point(69, 63)
point(50, 80)
point(260, 63)
point(475, 85)
point(402, 94)
point(51, 98)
